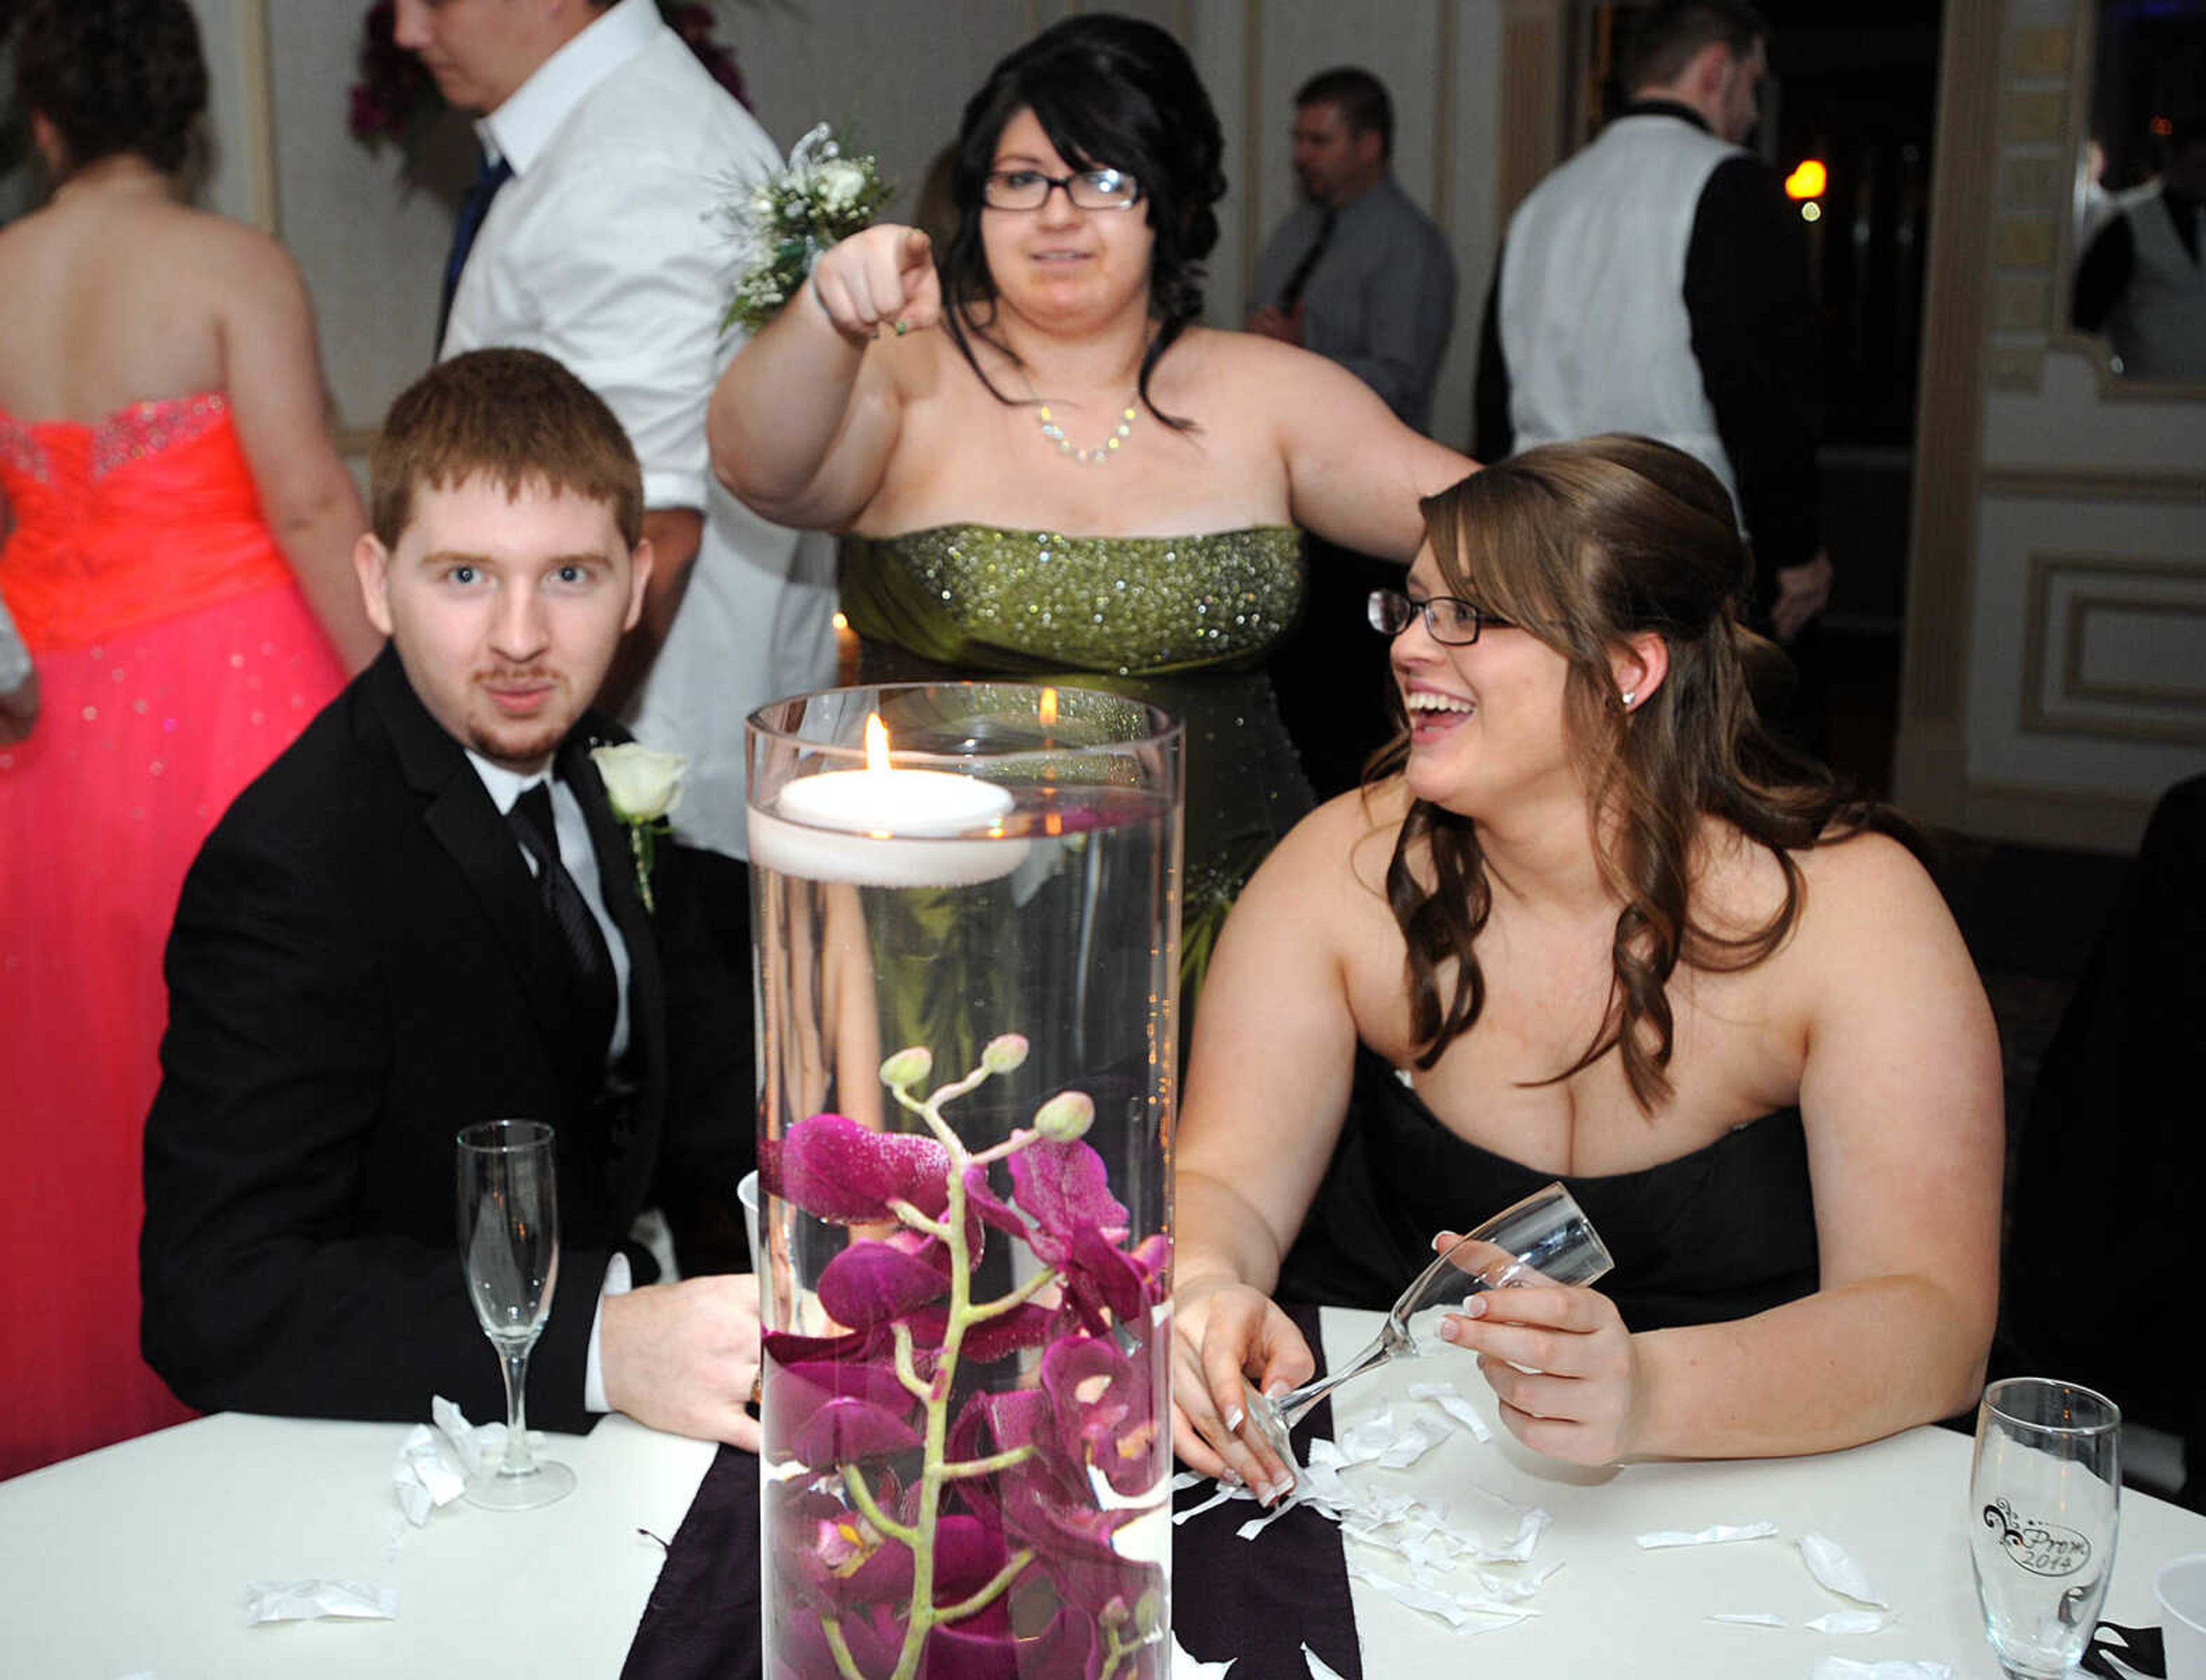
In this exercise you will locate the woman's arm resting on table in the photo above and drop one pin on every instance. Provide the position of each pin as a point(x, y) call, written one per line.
point(1267, 1084)
point(1355, 472)
point(1900, 1090)
point(805, 418)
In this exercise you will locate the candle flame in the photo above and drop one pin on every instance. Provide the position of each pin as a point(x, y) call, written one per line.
point(1049, 708)
point(877, 743)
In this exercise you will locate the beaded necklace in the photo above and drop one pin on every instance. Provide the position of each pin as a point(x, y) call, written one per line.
point(1103, 450)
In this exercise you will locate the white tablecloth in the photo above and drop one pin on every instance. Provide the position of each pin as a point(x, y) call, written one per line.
point(135, 1559)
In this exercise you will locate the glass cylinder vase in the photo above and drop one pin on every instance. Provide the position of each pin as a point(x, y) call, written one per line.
point(967, 935)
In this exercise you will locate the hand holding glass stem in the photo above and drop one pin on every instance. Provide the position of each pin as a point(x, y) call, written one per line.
point(1544, 1239)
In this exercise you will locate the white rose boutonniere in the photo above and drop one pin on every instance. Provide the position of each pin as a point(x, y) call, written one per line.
point(644, 787)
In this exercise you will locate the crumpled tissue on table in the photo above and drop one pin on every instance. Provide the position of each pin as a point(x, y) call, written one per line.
point(422, 1472)
point(1831, 1563)
point(1427, 1537)
point(305, 1601)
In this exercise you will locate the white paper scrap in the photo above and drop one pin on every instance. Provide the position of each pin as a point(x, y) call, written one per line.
point(1225, 1491)
point(1417, 1437)
point(1831, 1563)
point(1464, 1613)
point(422, 1478)
point(305, 1601)
point(1846, 1668)
point(1720, 1535)
point(1749, 1618)
point(1453, 1401)
point(1851, 1622)
point(1256, 1525)
point(1319, 1669)
point(1184, 1667)
point(474, 1445)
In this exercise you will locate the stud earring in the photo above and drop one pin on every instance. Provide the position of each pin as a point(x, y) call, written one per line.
point(1628, 696)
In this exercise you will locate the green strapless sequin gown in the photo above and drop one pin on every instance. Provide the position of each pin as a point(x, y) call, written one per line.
point(1182, 623)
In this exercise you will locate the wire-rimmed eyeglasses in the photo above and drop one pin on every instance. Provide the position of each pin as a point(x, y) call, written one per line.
point(1091, 189)
point(1449, 619)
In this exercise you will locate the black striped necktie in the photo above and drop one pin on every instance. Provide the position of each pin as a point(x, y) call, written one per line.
point(585, 942)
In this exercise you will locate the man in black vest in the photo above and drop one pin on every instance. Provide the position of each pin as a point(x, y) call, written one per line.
point(426, 914)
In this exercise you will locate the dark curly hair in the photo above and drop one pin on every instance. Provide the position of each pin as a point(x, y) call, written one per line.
point(1583, 545)
point(1111, 93)
point(112, 76)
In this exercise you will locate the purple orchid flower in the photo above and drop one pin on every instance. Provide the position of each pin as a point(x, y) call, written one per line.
point(863, 1581)
point(838, 1171)
point(874, 1283)
point(1062, 1187)
point(1102, 1402)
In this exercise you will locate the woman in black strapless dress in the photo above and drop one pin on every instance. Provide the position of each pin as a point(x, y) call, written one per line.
point(1597, 926)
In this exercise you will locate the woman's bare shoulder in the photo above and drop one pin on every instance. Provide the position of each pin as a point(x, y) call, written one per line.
point(1349, 838)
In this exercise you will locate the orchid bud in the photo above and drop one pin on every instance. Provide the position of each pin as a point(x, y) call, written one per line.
point(1003, 1053)
point(1066, 1116)
point(907, 1066)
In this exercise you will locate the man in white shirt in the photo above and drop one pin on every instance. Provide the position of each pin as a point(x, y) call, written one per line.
point(604, 249)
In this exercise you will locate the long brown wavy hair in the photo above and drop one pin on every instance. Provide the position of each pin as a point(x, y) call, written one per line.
point(1583, 546)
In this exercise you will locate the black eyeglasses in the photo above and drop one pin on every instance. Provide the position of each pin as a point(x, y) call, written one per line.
point(1091, 189)
point(1449, 620)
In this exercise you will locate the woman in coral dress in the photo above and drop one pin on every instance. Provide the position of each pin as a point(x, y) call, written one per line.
point(177, 526)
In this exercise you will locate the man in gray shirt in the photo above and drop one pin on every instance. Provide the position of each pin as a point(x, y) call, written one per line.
point(1357, 273)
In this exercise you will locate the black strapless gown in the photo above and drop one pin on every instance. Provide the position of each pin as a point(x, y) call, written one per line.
point(1722, 1233)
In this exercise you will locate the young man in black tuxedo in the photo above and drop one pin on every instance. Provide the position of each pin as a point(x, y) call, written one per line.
point(380, 944)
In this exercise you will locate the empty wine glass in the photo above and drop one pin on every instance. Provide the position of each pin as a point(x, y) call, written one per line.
point(1544, 1239)
point(2044, 1507)
point(508, 1206)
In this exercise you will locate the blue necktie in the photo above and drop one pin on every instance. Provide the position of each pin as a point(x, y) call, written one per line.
point(489, 177)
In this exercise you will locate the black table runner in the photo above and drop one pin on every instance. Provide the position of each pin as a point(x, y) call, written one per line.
point(1258, 1600)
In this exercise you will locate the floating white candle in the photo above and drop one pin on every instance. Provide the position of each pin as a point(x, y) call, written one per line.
point(886, 826)
point(894, 804)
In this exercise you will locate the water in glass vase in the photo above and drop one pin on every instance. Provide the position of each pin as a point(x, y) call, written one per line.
point(969, 1054)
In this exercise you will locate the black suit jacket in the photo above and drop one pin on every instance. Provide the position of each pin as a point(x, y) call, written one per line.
point(361, 965)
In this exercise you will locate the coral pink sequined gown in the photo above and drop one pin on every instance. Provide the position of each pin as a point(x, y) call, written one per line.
point(176, 658)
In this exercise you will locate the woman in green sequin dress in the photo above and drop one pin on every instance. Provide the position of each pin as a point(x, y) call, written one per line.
point(1048, 468)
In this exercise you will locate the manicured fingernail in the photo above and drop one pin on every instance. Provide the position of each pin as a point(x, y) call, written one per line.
point(1279, 1490)
point(1474, 1307)
point(1233, 1418)
point(1448, 1332)
point(1232, 1478)
point(1274, 1389)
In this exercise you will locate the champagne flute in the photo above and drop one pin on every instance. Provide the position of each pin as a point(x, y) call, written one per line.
point(509, 1206)
point(1544, 1239)
point(2044, 1506)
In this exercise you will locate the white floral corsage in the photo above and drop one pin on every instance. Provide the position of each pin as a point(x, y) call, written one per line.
point(644, 787)
point(782, 223)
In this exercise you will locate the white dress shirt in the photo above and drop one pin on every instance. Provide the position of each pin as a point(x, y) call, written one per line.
point(608, 251)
